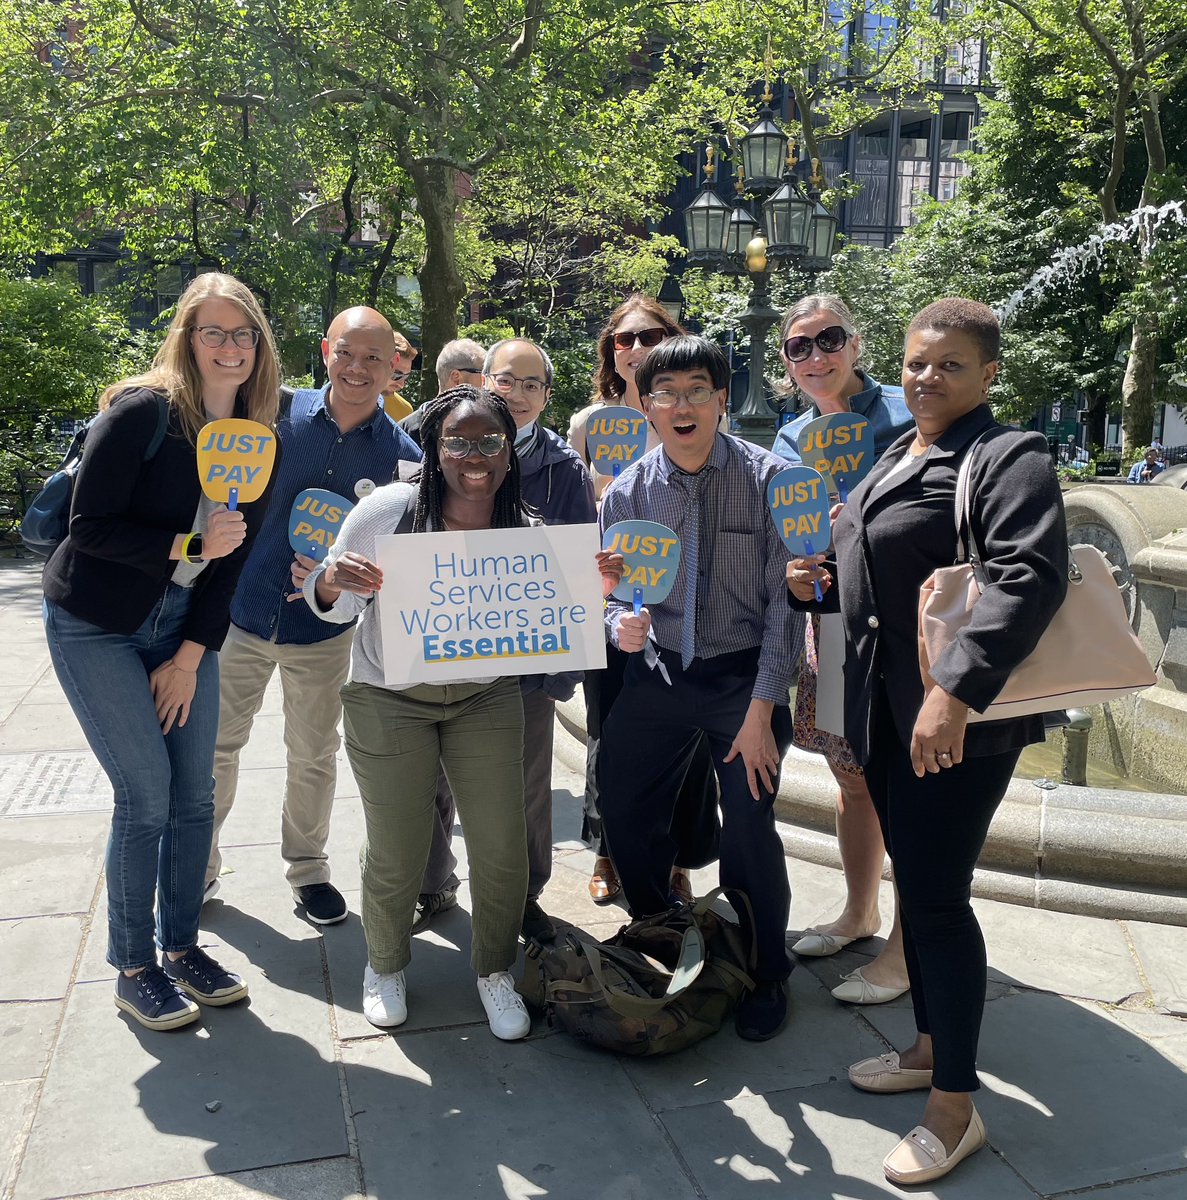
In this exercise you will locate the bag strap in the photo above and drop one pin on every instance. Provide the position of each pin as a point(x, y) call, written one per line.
point(158, 436)
point(963, 508)
point(689, 964)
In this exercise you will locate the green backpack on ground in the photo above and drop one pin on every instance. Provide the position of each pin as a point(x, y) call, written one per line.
point(660, 984)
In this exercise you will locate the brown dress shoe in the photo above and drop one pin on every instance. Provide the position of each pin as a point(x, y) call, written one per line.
point(680, 885)
point(603, 883)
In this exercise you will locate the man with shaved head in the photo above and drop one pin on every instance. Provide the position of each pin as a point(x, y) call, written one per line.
point(337, 438)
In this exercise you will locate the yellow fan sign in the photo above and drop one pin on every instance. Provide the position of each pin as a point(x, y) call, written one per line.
point(235, 459)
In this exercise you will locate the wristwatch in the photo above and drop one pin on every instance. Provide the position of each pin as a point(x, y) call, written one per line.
point(191, 549)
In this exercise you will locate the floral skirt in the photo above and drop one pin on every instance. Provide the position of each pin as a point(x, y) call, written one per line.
point(804, 734)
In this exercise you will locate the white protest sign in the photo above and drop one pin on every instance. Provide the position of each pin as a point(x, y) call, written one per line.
point(490, 602)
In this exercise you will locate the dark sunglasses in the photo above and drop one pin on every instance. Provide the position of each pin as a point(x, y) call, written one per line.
point(488, 445)
point(828, 340)
point(644, 337)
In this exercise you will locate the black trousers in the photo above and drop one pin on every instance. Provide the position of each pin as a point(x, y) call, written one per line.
point(934, 829)
point(651, 734)
point(695, 827)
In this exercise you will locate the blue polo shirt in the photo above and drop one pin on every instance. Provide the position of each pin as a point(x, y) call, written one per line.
point(314, 454)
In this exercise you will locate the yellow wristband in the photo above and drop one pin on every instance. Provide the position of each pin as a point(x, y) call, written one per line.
point(185, 546)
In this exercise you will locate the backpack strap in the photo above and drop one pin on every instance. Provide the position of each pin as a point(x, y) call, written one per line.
point(158, 437)
point(689, 964)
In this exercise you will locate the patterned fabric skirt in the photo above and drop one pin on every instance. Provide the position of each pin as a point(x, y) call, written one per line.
point(805, 735)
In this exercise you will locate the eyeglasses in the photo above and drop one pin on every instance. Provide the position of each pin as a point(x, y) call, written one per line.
point(215, 336)
point(530, 386)
point(468, 370)
point(697, 396)
point(399, 376)
point(644, 337)
point(828, 340)
point(488, 445)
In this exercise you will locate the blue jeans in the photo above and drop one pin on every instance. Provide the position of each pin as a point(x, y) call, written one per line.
point(164, 783)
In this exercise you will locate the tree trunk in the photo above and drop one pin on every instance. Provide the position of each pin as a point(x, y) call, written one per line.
point(441, 287)
point(1137, 389)
point(1098, 415)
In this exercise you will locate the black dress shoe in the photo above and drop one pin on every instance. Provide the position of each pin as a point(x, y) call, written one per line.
point(761, 1014)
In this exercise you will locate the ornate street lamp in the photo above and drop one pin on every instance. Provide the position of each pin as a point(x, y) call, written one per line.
point(822, 230)
point(705, 219)
point(787, 215)
point(764, 146)
point(671, 298)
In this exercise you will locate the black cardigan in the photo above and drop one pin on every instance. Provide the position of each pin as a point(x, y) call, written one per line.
point(888, 541)
point(114, 565)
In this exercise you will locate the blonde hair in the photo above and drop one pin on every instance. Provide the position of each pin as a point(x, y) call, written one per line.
point(175, 373)
point(811, 306)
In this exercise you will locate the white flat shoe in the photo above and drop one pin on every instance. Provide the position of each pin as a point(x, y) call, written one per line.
point(855, 988)
point(815, 944)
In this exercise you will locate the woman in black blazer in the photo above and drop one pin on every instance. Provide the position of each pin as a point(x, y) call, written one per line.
point(936, 782)
point(137, 602)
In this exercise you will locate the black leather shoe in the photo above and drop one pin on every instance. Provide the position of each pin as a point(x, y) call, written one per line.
point(761, 1014)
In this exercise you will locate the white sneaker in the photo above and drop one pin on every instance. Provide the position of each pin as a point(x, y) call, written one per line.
point(504, 1006)
point(385, 998)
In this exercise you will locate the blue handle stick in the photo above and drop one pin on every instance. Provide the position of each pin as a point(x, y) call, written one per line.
point(617, 470)
point(815, 582)
point(637, 599)
point(842, 489)
point(233, 499)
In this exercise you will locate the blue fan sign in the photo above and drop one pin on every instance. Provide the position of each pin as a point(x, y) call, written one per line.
point(841, 447)
point(652, 554)
point(615, 437)
point(315, 521)
point(799, 502)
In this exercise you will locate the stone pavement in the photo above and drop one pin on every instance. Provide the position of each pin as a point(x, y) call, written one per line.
point(1083, 1061)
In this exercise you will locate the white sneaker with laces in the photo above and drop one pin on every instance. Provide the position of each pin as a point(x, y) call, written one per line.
point(385, 998)
point(504, 1006)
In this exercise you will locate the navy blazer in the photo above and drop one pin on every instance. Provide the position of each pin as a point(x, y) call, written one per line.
point(889, 540)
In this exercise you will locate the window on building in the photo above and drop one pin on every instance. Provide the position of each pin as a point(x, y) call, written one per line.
point(955, 139)
point(65, 270)
point(836, 64)
point(871, 169)
point(962, 60)
point(105, 276)
point(168, 288)
point(913, 184)
point(878, 27)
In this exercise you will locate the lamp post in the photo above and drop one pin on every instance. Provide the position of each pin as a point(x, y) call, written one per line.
point(797, 230)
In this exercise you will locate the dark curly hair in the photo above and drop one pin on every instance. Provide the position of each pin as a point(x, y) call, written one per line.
point(509, 511)
point(977, 321)
point(608, 384)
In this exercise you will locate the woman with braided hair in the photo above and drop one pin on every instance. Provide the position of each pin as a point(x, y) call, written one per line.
point(397, 735)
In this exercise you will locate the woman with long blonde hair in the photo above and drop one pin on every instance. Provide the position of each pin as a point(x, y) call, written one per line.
point(137, 602)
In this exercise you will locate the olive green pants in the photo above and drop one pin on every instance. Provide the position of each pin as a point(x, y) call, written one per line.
point(395, 741)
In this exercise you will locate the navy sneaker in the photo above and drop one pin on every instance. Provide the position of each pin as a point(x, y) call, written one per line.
point(324, 904)
point(199, 976)
point(151, 998)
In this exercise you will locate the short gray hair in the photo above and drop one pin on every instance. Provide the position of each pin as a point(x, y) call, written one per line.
point(519, 341)
point(461, 352)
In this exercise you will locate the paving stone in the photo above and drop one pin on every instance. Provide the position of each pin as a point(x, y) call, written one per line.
point(1166, 1034)
point(1094, 960)
point(1163, 953)
point(329, 1179)
point(50, 864)
point(480, 1117)
point(41, 727)
point(26, 1038)
point(124, 1105)
point(817, 1142)
point(15, 1102)
point(1166, 1187)
point(38, 955)
point(25, 660)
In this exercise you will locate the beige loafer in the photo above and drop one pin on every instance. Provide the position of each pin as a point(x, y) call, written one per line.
point(920, 1157)
point(855, 988)
point(883, 1074)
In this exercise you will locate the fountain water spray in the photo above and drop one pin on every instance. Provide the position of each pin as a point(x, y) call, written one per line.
point(1073, 261)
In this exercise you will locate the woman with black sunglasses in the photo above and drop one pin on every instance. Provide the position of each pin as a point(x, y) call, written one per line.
point(821, 348)
point(634, 328)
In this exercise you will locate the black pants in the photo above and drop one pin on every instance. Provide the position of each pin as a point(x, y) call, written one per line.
point(934, 829)
point(695, 827)
point(651, 734)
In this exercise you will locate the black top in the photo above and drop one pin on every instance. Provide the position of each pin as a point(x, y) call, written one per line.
point(889, 540)
point(114, 565)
